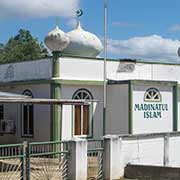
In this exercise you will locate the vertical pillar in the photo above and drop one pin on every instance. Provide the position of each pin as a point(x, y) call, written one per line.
point(56, 64)
point(55, 94)
point(24, 159)
point(112, 158)
point(77, 169)
point(166, 151)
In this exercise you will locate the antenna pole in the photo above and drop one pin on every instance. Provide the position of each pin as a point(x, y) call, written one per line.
point(105, 70)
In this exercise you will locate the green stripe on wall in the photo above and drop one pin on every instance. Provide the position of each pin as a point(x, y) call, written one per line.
point(175, 107)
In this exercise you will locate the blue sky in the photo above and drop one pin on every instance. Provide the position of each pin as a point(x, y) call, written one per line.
point(138, 29)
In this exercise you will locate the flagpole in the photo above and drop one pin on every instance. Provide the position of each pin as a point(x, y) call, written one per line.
point(105, 70)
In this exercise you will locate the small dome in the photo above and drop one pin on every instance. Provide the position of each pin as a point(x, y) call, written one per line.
point(56, 40)
point(83, 43)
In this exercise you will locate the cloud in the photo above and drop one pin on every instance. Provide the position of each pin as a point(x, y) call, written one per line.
point(152, 47)
point(175, 28)
point(123, 24)
point(38, 8)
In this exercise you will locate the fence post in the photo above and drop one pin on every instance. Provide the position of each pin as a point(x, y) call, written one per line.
point(77, 163)
point(166, 150)
point(23, 159)
point(112, 157)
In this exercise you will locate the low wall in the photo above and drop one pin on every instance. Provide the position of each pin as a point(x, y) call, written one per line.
point(151, 149)
point(151, 172)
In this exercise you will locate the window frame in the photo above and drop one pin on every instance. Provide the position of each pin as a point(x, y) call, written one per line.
point(90, 119)
point(27, 92)
point(152, 100)
point(1, 105)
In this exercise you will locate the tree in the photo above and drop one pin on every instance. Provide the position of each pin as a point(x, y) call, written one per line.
point(22, 47)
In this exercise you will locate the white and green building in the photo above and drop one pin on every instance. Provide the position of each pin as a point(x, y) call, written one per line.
point(142, 97)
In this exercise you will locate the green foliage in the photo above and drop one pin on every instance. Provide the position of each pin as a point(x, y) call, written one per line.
point(22, 47)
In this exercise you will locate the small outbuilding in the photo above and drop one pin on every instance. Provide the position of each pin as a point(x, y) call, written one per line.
point(141, 106)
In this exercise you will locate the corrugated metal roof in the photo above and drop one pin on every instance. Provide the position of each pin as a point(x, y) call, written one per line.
point(12, 95)
point(6, 97)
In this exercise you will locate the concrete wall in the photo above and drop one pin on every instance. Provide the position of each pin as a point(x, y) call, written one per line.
point(28, 70)
point(67, 92)
point(41, 114)
point(161, 149)
point(117, 109)
point(174, 149)
point(86, 69)
point(89, 69)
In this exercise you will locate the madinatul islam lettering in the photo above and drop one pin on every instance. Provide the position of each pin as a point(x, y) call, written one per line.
point(151, 110)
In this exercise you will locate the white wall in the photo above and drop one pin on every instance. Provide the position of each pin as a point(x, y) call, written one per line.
point(117, 109)
point(92, 69)
point(150, 125)
point(174, 149)
point(41, 113)
point(143, 151)
point(166, 72)
point(84, 69)
point(67, 122)
point(160, 149)
point(67, 92)
point(28, 70)
point(87, 69)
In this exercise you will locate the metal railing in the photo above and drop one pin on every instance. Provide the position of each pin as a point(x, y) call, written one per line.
point(95, 159)
point(12, 158)
point(34, 161)
point(48, 160)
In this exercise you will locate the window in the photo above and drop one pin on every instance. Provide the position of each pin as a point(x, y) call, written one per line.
point(152, 95)
point(1, 112)
point(82, 115)
point(27, 117)
point(1, 116)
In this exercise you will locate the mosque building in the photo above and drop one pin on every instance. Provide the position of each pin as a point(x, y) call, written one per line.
point(142, 97)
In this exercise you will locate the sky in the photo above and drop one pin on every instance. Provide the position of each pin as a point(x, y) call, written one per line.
point(137, 29)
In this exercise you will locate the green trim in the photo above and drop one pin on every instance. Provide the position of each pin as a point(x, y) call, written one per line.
point(92, 120)
point(56, 64)
point(77, 82)
point(130, 123)
point(56, 81)
point(143, 82)
point(56, 113)
point(15, 83)
point(28, 161)
point(56, 110)
point(175, 107)
point(155, 83)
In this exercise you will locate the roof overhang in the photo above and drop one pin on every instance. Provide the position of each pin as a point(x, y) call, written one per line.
point(46, 101)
